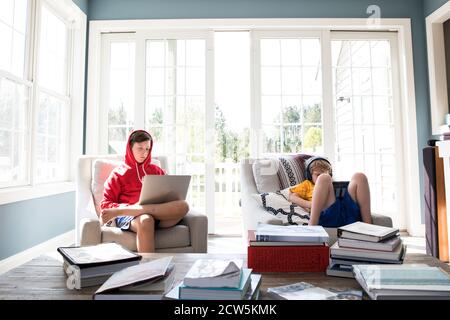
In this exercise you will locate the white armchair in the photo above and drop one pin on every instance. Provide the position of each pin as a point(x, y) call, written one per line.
point(189, 235)
point(253, 212)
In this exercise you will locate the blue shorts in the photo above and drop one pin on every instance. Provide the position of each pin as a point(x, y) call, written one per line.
point(124, 222)
point(342, 212)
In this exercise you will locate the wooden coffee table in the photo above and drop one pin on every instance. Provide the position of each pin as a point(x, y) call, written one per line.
point(44, 278)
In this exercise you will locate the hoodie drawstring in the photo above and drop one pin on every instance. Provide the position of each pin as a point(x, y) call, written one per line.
point(139, 176)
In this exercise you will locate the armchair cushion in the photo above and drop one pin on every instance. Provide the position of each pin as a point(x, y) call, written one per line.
point(100, 172)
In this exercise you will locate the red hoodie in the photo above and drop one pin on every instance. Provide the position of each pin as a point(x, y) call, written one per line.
point(123, 185)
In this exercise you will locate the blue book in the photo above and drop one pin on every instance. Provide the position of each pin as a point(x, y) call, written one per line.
point(195, 293)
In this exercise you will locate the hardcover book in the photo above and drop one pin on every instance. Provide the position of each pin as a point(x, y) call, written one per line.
point(216, 293)
point(141, 274)
point(366, 231)
point(214, 273)
point(268, 232)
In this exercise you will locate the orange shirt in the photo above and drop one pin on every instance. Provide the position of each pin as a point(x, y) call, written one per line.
point(304, 190)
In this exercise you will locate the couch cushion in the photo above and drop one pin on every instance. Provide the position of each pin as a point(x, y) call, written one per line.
point(174, 237)
point(291, 169)
point(265, 174)
point(101, 169)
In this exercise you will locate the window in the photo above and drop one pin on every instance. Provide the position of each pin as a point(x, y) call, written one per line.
point(36, 104)
point(14, 94)
point(290, 92)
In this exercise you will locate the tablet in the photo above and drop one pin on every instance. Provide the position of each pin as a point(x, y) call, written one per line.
point(164, 188)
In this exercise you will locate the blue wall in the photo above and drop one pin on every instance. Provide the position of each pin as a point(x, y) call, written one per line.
point(29, 223)
point(191, 9)
point(430, 5)
point(82, 4)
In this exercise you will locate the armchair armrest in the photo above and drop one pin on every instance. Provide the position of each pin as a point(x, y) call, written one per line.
point(381, 220)
point(91, 233)
point(198, 230)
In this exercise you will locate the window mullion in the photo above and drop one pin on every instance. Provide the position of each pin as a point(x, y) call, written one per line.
point(328, 116)
point(34, 95)
point(140, 80)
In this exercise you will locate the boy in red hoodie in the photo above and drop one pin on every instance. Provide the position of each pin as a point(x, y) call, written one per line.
point(122, 191)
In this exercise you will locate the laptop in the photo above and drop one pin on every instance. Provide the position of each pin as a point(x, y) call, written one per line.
point(339, 188)
point(164, 188)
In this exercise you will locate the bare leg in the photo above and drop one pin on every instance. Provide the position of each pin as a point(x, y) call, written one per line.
point(144, 226)
point(170, 211)
point(359, 191)
point(323, 197)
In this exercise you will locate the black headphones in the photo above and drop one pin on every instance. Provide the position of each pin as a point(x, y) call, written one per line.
point(308, 163)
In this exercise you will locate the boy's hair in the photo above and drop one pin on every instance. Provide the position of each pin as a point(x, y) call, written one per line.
point(320, 165)
point(139, 136)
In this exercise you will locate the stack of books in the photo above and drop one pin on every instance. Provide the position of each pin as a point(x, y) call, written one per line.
point(363, 243)
point(420, 281)
point(93, 265)
point(273, 248)
point(146, 281)
point(217, 279)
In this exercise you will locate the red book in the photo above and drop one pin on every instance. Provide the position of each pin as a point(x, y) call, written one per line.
point(288, 259)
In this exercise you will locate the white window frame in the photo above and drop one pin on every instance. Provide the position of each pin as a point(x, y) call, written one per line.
point(436, 68)
point(398, 109)
point(406, 71)
point(256, 119)
point(77, 19)
point(139, 38)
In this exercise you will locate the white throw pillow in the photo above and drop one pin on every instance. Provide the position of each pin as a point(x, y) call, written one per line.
point(265, 174)
point(277, 204)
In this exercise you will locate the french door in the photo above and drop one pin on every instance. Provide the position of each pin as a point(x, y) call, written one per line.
point(327, 93)
point(367, 116)
point(159, 82)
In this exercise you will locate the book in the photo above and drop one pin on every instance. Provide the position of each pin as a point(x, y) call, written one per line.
point(150, 290)
point(366, 231)
point(215, 293)
point(414, 281)
point(252, 292)
point(396, 255)
point(385, 245)
point(210, 273)
point(252, 242)
point(288, 258)
point(307, 291)
point(340, 270)
point(268, 232)
point(92, 265)
point(348, 261)
point(141, 274)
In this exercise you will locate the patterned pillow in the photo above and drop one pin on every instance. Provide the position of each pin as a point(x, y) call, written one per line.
point(291, 169)
point(276, 203)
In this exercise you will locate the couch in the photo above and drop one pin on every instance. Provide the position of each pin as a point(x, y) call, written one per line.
point(253, 211)
point(189, 235)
